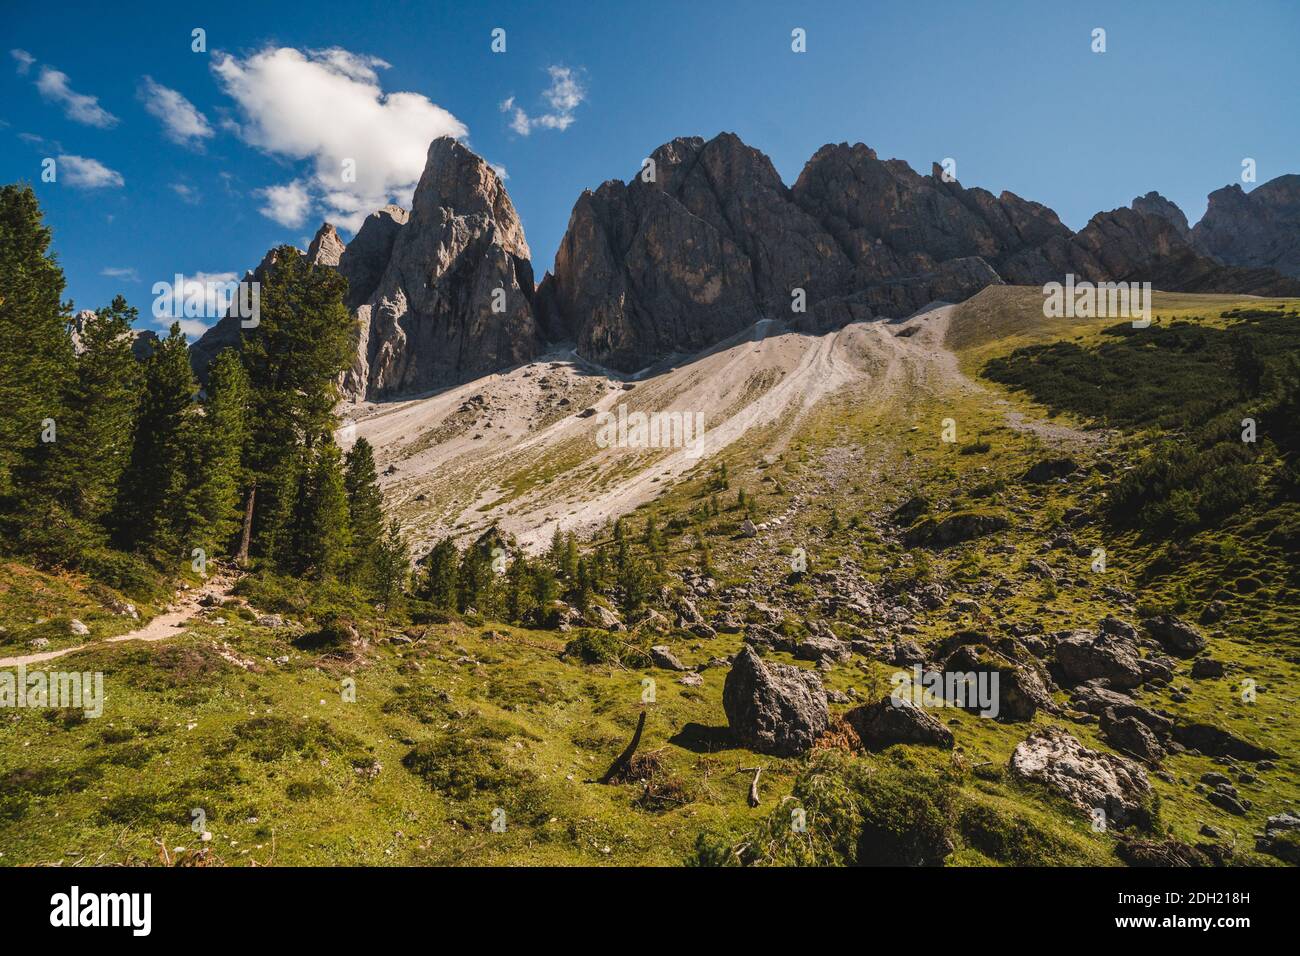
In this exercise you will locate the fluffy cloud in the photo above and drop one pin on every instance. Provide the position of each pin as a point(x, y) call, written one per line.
point(367, 147)
point(288, 204)
point(127, 273)
point(182, 122)
point(57, 88)
point(565, 94)
point(85, 173)
point(201, 295)
point(24, 61)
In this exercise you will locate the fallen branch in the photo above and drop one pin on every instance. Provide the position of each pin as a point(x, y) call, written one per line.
point(753, 784)
point(625, 758)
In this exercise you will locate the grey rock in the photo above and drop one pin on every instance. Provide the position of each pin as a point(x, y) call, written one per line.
point(776, 709)
point(1088, 779)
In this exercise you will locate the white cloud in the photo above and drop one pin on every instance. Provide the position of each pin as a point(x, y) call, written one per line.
point(127, 273)
point(500, 171)
point(85, 173)
point(288, 204)
point(327, 106)
point(182, 122)
point(187, 193)
point(82, 107)
point(565, 94)
point(201, 295)
point(25, 61)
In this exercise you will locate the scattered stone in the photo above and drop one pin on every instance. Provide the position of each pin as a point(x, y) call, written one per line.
point(1204, 668)
point(78, 628)
point(1131, 736)
point(1049, 469)
point(1085, 656)
point(691, 679)
point(662, 656)
point(1216, 742)
point(270, 620)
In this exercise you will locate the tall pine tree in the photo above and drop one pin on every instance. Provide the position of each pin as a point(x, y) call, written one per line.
point(365, 510)
point(35, 348)
point(152, 513)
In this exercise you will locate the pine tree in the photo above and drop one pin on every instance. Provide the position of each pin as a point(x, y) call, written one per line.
point(321, 533)
point(519, 591)
point(392, 565)
point(441, 582)
point(75, 482)
point(293, 357)
point(218, 476)
point(152, 510)
point(35, 348)
point(365, 510)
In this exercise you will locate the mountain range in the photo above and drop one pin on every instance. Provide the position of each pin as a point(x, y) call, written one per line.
point(706, 239)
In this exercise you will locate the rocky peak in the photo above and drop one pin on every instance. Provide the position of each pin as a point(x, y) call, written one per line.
point(454, 297)
point(326, 247)
point(1157, 205)
point(1259, 229)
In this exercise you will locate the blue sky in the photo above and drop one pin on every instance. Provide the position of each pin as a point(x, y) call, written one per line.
point(1012, 91)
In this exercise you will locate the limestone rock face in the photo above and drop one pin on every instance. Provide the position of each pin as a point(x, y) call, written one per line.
point(455, 297)
point(1259, 229)
point(708, 247)
point(1155, 204)
point(326, 247)
point(716, 242)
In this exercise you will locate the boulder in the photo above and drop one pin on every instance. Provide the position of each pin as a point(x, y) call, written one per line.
point(1175, 635)
point(777, 709)
point(822, 648)
point(1021, 689)
point(1049, 469)
point(1085, 657)
point(662, 656)
point(1088, 779)
point(1131, 736)
point(896, 720)
point(1217, 742)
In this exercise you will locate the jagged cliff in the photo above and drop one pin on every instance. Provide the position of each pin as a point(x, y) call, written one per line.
point(706, 239)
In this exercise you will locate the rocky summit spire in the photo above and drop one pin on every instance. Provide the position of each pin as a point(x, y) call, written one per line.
point(455, 297)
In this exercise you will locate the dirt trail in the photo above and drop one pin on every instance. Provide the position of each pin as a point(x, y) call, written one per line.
point(162, 626)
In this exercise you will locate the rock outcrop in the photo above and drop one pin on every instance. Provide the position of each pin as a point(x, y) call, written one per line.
point(776, 709)
point(455, 297)
point(1089, 779)
point(714, 241)
point(1259, 229)
point(441, 294)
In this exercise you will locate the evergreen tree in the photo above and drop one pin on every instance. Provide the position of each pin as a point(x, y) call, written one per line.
point(222, 434)
point(365, 509)
point(321, 531)
point(519, 592)
point(441, 583)
point(152, 512)
point(476, 581)
point(293, 357)
point(392, 565)
point(35, 348)
point(76, 480)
